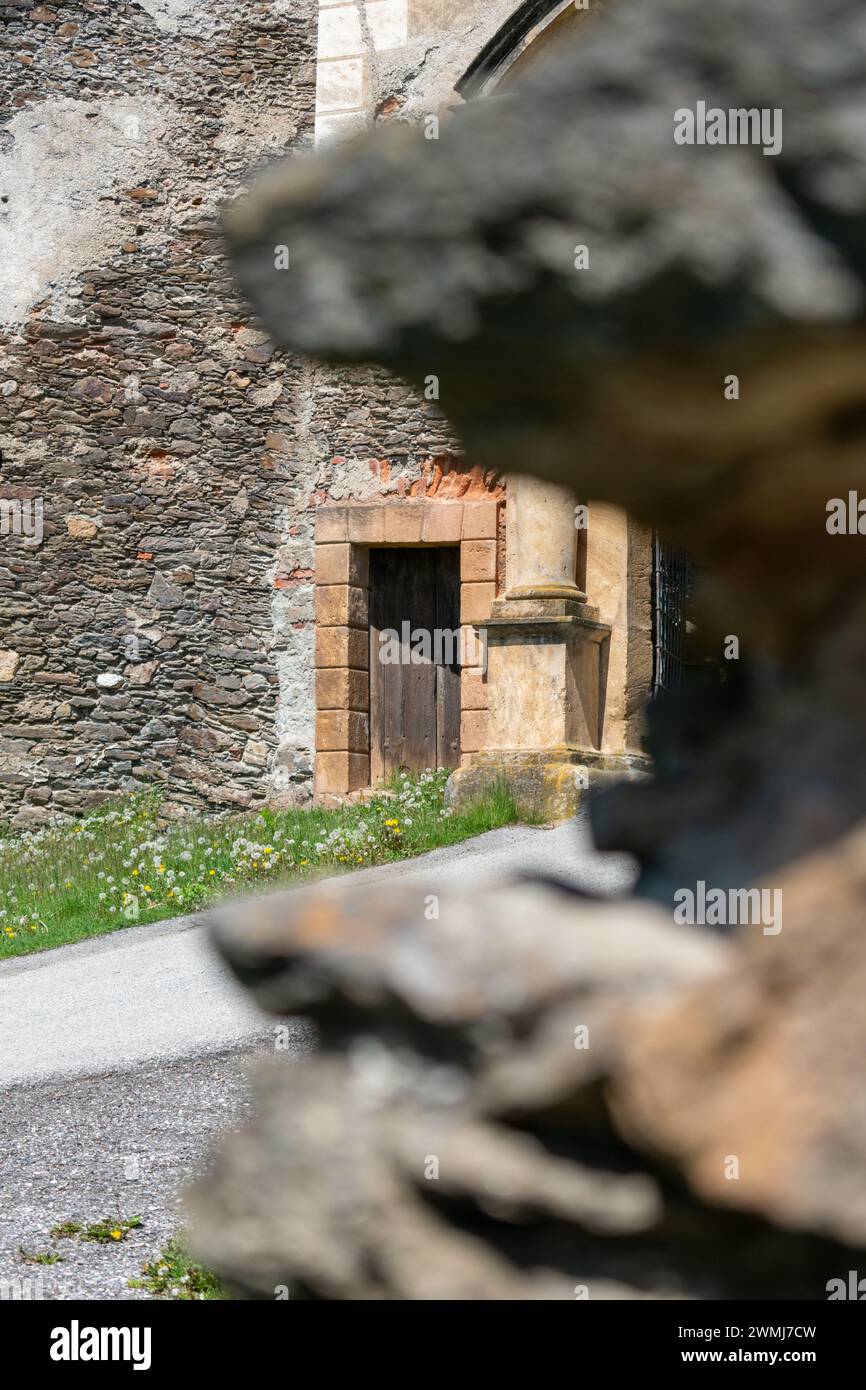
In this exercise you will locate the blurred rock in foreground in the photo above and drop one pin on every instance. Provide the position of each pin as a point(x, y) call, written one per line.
point(531, 1095)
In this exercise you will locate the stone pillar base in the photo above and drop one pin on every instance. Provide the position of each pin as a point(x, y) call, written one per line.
point(547, 785)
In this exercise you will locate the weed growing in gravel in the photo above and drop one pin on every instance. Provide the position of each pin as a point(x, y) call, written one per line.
point(66, 1230)
point(176, 1275)
point(126, 864)
point(108, 1232)
point(111, 1231)
point(39, 1257)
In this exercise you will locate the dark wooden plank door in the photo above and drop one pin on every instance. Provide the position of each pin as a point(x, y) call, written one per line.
point(448, 661)
point(414, 705)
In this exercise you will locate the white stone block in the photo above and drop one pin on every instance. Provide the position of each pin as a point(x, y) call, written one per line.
point(340, 84)
point(388, 23)
point(340, 32)
point(340, 126)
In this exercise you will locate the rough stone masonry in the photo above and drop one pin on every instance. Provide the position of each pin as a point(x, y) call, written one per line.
point(162, 632)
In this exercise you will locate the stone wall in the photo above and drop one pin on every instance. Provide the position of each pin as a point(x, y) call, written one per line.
point(159, 427)
point(162, 630)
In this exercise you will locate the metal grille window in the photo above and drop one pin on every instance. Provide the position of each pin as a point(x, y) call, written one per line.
point(672, 583)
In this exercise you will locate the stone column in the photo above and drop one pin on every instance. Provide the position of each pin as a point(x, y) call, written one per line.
point(547, 666)
point(540, 541)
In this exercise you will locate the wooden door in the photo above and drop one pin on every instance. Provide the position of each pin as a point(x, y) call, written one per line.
point(414, 694)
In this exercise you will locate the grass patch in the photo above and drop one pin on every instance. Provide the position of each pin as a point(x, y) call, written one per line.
point(40, 1257)
point(66, 1230)
point(111, 1231)
point(176, 1275)
point(123, 864)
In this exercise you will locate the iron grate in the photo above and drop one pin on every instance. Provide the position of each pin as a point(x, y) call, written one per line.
point(672, 586)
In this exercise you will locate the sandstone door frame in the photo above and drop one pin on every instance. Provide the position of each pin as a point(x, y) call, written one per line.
point(345, 533)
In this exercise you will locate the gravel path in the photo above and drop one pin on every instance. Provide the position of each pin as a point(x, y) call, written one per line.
point(121, 1058)
point(113, 1145)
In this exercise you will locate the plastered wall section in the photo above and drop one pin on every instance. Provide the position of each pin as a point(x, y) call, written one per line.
point(393, 59)
point(619, 585)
